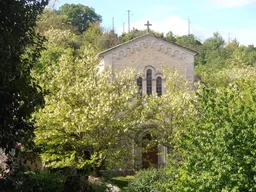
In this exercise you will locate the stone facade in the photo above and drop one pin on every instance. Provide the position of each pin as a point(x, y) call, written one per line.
point(150, 52)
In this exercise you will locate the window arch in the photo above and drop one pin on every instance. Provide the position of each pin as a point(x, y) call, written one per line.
point(149, 82)
point(159, 90)
point(139, 83)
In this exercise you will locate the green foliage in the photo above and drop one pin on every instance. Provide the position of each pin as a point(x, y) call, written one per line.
point(31, 182)
point(212, 77)
point(122, 182)
point(78, 15)
point(212, 52)
point(189, 41)
point(43, 182)
point(136, 33)
point(49, 19)
point(86, 119)
point(92, 36)
point(19, 48)
point(108, 40)
point(217, 149)
point(76, 183)
point(148, 180)
point(170, 37)
point(97, 187)
point(172, 110)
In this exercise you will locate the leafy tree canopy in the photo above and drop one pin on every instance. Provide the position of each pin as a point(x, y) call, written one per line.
point(19, 48)
point(79, 15)
point(216, 151)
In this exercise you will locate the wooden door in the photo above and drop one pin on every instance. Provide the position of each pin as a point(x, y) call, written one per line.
point(149, 156)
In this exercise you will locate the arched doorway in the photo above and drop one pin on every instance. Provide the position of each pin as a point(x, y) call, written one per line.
point(149, 153)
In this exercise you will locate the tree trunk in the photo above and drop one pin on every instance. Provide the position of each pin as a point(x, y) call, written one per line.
point(96, 171)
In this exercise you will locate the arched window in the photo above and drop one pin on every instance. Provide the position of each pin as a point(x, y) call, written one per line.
point(149, 82)
point(139, 83)
point(159, 86)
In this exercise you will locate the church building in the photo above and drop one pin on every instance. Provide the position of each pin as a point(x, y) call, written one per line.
point(148, 55)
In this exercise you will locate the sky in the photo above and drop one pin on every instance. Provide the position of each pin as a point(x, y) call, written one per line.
point(231, 18)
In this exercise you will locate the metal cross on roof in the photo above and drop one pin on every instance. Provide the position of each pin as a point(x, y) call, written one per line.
point(148, 24)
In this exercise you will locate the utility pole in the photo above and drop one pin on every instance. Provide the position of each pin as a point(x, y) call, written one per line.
point(123, 27)
point(113, 24)
point(188, 26)
point(128, 20)
point(228, 37)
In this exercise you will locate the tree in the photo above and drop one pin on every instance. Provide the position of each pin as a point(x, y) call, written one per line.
point(19, 48)
point(170, 112)
point(108, 40)
point(189, 41)
point(80, 16)
point(86, 121)
point(170, 37)
point(232, 46)
point(217, 149)
point(136, 33)
point(93, 35)
point(49, 20)
point(212, 52)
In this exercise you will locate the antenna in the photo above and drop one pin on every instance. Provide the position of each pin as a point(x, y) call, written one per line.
point(128, 20)
point(188, 26)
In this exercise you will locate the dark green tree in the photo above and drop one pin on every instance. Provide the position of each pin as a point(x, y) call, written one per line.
point(108, 40)
point(80, 16)
point(189, 41)
point(213, 52)
point(170, 37)
point(19, 48)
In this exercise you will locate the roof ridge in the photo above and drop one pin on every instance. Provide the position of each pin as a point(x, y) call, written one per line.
point(150, 34)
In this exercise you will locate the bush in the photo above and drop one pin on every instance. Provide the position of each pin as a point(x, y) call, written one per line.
point(43, 182)
point(33, 182)
point(148, 180)
point(97, 187)
point(76, 183)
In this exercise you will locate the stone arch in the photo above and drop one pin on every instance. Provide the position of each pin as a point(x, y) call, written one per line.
point(135, 48)
point(150, 67)
point(142, 45)
point(169, 51)
point(176, 53)
point(163, 49)
point(156, 46)
point(121, 54)
point(129, 51)
point(183, 56)
point(147, 156)
point(115, 55)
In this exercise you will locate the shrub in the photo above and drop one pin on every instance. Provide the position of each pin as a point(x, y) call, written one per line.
point(43, 182)
point(148, 180)
point(31, 182)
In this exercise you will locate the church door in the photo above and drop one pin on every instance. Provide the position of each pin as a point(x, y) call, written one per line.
point(149, 156)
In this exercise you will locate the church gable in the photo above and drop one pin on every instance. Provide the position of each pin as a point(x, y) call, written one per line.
point(150, 51)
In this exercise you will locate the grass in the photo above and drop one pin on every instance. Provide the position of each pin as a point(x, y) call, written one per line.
point(122, 182)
